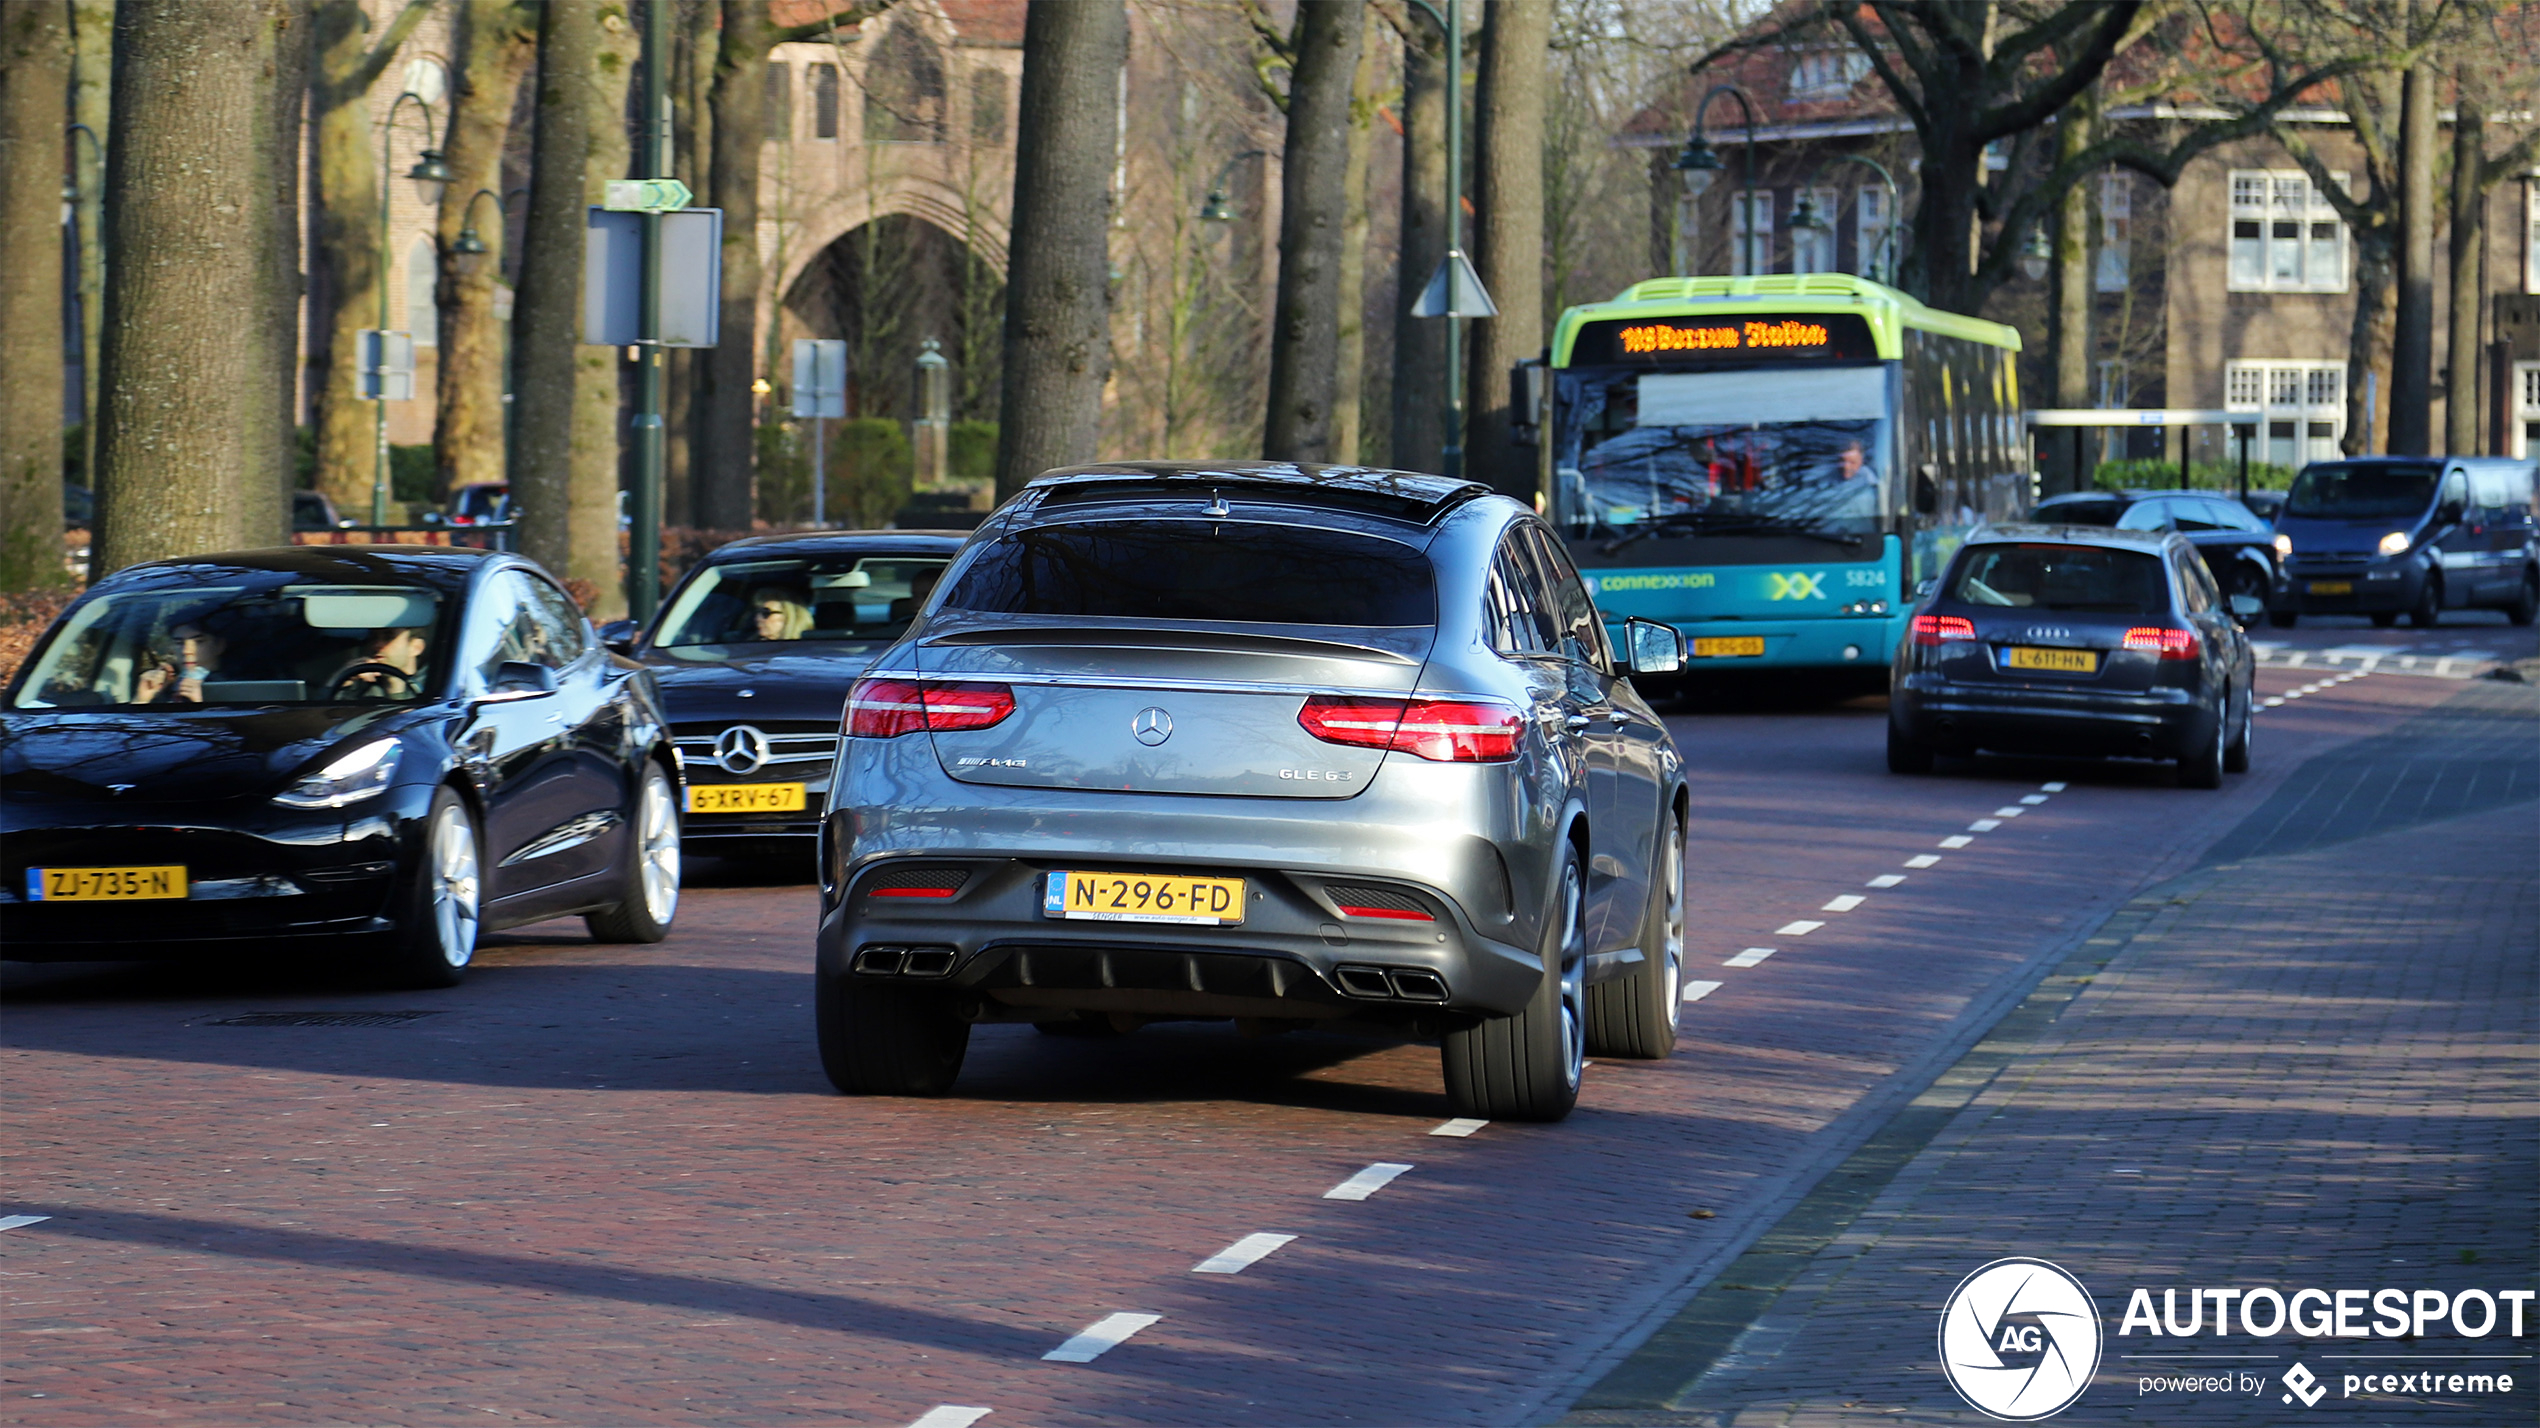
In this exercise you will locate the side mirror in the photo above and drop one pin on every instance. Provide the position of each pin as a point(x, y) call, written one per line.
point(2246, 608)
point(619, 635)
point(519, 679)
point(1526, 393)
point(1653, 648)
point(1924, 587)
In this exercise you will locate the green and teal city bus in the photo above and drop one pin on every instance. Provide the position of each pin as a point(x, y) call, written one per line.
point(1771, 464)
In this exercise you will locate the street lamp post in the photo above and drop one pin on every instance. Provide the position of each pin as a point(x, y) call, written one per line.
point(429, 174)
point(470, 248)
point(1451, 21)
point(1699, 161)
point(1804, 214)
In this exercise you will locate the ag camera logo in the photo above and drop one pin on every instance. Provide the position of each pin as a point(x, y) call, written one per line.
point(2019, 1339)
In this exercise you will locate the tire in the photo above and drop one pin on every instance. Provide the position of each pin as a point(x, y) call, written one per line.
point(2236, 753)
point(887, 1041)
point(1904, 755)
point(2245, 580)
point(2204, 768)
point(2384, 619)
point(436, 935)
point(2526, 605)
point(2429, 606)
point(1635, 1015)
point(1526, 1067)
point(2283, 619)
point(650, 898)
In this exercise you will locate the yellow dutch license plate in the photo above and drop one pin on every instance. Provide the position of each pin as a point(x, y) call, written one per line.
point(1728, 646)
point(745, 798)
point(105, 884)
point(1144, 897)
point(2061, 661)
point(2332, 587)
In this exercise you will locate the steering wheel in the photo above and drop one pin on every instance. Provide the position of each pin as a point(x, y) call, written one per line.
point(352, 678)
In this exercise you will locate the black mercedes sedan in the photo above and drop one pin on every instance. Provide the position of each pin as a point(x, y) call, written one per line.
point(371, 754)
point(755, 652)
point(2068, 640)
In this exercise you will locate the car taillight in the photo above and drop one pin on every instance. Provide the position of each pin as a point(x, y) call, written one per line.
point(2171, 644)
point(1463, 731)
point(1937, 629)
point(888, 708)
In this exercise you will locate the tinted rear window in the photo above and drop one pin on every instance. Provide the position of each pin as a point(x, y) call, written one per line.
point(2062, 577)
point(1200, 570)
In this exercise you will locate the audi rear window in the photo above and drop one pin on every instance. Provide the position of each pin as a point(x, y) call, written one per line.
point(2081, 578)
point(1201, 570)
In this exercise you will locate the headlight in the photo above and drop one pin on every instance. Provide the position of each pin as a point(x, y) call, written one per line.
point(2395, 543)
point(363, 773)
point(2283, 546)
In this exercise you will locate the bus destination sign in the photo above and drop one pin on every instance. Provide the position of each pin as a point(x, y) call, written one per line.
point(1838, 336)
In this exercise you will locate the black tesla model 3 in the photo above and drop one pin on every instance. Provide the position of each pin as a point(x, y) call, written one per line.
point(369, 753)
point(755, 651)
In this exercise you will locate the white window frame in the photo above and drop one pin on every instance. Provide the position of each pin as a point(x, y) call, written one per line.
point(2306, 399)
point(1760, 202)
point(1813, 251)
point(2531, 235)
point(2524, 434)
point(1872, 225)
point(2259, 254)
point(1826, 74)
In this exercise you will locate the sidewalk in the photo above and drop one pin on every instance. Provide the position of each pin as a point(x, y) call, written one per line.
point(2314, 1064)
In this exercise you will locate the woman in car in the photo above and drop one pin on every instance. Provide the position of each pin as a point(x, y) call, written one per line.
point(779, 612)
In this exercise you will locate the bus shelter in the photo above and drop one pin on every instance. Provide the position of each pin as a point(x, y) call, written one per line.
point(2081, 419)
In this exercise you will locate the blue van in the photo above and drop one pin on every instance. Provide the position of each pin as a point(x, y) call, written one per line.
point(2387, 536)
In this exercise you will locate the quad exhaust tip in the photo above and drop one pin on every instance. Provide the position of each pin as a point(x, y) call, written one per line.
point(895, 961)
point(1406, 984)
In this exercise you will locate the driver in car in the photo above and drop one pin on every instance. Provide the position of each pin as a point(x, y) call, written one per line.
point(388, 665)
point(779, 612)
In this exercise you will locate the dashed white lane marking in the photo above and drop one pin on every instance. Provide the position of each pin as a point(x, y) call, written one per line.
point(2009, 810)
point(1956, 840)
point(1242, 1254)
point(1923, 860)
point(1367, 1182)
point(1844, 903)
point(1887, 880)
point(1696, 991)
point(1752, 956)
point(1106, 1334)
point(2052, 787)
point(1459, 1127)
point(20, 1222)
point(1983, 825)
point(950, 1415)
point(2032, 798)
point(2271, 702)
point(1796, 929)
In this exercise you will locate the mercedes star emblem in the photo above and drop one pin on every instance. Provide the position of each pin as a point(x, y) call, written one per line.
point(1152, 726)
point(740, 750)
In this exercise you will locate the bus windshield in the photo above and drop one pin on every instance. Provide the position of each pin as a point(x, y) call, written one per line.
point(1766, 451)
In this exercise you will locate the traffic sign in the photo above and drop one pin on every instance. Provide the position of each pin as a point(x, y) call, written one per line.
point(1455, 290)
point(689, 297)
point(647, 195)
point(820, 377)
point(388, 366)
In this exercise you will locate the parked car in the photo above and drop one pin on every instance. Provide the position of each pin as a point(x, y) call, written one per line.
point(2237, 544)
point(366, 752)
point(1287, 745)
point(480, 503)
point(2386, 535)
point(2059, 640)
point(755, 652)
point(312, 511)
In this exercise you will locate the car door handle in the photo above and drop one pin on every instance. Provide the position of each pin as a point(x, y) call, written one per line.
point(1575, 722)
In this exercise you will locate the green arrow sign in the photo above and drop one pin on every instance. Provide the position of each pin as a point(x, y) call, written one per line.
point(647, 195)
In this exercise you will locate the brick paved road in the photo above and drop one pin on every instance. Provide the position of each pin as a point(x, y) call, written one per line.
point(607, 1185)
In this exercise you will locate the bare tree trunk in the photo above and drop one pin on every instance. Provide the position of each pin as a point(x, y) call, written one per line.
point(35, 73)
point(1507, 235)
point(267, 495)
point(2368, 345)
point(2068, 317)
point(2469, 233)
point(92, 66)
point(1349, 405)
point(1058, 297)
point(191, 178)
point(2412, 345)
point(1305, 329)
point(1419, 343)
point(598, 405)
point(346, 179)
point(494, 42)
point(721, 489)
point(547, 315)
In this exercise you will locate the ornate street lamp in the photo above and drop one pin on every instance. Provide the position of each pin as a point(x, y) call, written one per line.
point(430, 176)
point(1218, 208)
point(1699, 161)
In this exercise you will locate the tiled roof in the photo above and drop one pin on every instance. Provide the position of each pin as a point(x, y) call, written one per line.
point(977, 22)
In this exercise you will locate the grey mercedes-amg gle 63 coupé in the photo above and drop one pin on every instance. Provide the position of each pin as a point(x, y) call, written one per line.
point(1284, 745)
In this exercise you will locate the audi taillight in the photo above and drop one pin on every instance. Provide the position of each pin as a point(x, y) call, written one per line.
point(1939, 629)
point(2168, 643)
point(1463, 731)
point(888, 708)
